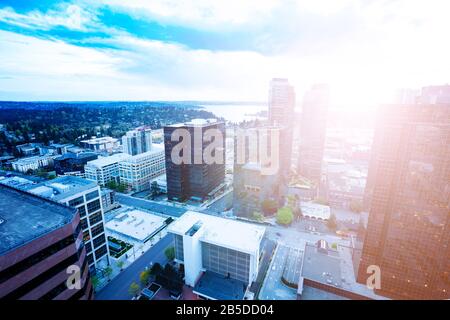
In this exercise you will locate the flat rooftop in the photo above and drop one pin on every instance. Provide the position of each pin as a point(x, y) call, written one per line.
point(25, 217)
point(236, 235)
point(62, 187)
point(322, 267)
point(218, 287)
point(106, 161)
point(100, 140)
point(315, 210)
point(135, 224)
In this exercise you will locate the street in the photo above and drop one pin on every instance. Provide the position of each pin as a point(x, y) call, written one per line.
point(117, 289)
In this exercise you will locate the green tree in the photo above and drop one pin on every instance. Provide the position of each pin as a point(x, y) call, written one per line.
point(269, 206)
point(143, 277)
point(170, 253)
point(95, 282)
point(108, 272)
point(285, 216)
point(134, 289)
point(155, 189)
point(156, 269)
point(331, 223)
point(120, 264)
point(258, 216)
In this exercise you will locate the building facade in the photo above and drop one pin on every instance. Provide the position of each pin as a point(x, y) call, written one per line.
point(103, 144)
point(137, 141)
point(73, 162)
point(85, 196)
point(137, 171)
point(209, 243)
point(40, 241)
point(196, 180)
point(104, 169)
point(312, 133)
point(408, 231)
point(25, 165)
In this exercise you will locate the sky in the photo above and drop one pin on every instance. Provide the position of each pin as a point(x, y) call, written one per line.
point(220, 50)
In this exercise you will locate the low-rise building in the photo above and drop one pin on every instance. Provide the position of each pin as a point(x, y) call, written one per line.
point(73, 162)
point(104, 169)
point(218, 248)
point(103, 144)
point(32, 163)
point(315, 211)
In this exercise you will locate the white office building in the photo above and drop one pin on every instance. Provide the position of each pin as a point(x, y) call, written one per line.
point(137, 171)
point(104, 169)
point(206, 243)
point(103, 144)
point(137, 141)
point(32, 163)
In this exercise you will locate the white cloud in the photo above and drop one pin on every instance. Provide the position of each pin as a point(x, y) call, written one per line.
point(70, 16)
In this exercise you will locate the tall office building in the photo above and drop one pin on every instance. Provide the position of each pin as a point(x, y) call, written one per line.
point(281, 114)
point(281, 102)
point(83, 195)
point(137, 141)
point(251, 184)
point(40, 240)
point(195, 180)
point(312, 132)
point(408, 231)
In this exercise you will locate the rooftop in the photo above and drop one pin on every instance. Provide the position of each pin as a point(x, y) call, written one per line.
point(156, 149)
point(106, 161)
point(95, 140)
point(62, 187)
point(236, 235)
point(25, 217)
point(135, 224)
point(322, 267)
point(218, 287)
point(32, 159)
point(315, 210)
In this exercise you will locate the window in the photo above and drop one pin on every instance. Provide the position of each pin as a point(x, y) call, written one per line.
point(84, 224)
point(82, 211)
point(75, 202)
point(93, 206)
point(95, 231)
point(100, 252)
point(95, 218)
point(92, 195)
point(97, 242)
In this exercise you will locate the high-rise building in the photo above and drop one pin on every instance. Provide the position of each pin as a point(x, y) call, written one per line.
point(312, 132)
point(85, 196)
point(137, 141)
point(281, 102)
point(408, 232)
point(251, 183)
point(40, 241)
point(281, 114)
point(196, 179)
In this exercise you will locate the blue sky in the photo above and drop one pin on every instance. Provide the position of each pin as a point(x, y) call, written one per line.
point(218, 50)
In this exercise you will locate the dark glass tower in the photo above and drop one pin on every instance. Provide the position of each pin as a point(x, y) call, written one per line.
point(408, 231)
point(193, 180)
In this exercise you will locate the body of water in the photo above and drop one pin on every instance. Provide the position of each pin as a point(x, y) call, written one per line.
point(235, 112)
